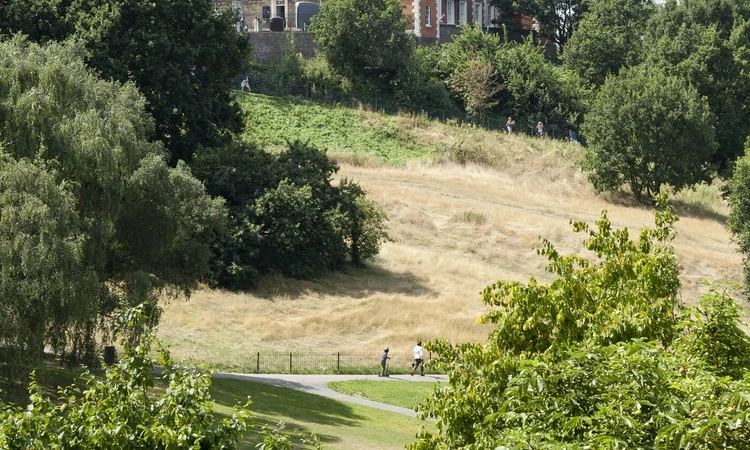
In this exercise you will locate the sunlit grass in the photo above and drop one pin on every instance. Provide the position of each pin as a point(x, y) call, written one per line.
point(339, 425)
point(393, 392)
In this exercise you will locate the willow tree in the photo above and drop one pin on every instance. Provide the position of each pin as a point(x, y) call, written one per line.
point(108, 220)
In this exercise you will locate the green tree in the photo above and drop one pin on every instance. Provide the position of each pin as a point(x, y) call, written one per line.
point(364, 41)
point(647, 129)
point(533, 89)
point(182, 55)
point(607, 38)
point(705, 42)
point(589, 361)
point(125, 410)
point(47, 293)
point(40, 20)
point(738, 190)
point(559, 18)
point(285, 215)
point(144, 228)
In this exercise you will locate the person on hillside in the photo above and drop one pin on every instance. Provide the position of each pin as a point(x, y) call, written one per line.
point(510, 124)
point(383, 362)
point(418, 359)
point(245, 83)
point(540, 129)
point(573, 137)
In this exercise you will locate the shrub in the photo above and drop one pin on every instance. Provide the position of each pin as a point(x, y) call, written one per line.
point(285, 214)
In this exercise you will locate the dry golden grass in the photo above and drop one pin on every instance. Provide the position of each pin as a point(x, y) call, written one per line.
point(455, 229)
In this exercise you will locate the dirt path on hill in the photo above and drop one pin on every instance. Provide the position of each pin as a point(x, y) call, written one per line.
point(318, 385)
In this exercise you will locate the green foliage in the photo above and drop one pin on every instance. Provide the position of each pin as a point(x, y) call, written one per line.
point(738, 191)
point(363, 224)
point(364, 41)
point(646, 129)
point(285, 215)
point(129, 227)
point(712, 335)
point(125, 411)
point(537, 90)
point(607, 38)
point(579, 375)
point(182, 56)
point(559, 18)
point(705, 42)
point(291, 68)
point(477, 85)
point(533, 89)
point(341, 130)
point(46, 292)
point(40, 20)
point(630, 292)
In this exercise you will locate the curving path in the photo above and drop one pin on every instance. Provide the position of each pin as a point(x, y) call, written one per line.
point(318, 384)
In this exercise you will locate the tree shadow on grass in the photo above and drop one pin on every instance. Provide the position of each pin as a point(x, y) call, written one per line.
point(355, 282)
point(679, 207)
point(284, 401)
point(683, 209)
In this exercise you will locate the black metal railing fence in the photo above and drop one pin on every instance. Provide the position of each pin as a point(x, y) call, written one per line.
point(330, 363)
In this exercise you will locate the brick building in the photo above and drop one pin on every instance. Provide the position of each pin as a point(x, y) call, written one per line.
point(429, 20)
point(264, 10)
point(426, 17)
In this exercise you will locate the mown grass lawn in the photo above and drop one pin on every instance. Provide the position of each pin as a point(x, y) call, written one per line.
point(339, 425)
point(399, 393)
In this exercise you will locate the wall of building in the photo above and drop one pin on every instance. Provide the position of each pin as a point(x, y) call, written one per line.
point(254, 8)
point(268, 45)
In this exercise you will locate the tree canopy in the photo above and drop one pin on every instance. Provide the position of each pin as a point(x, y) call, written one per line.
point(364, 41)
point(647, 129)
point(181, 55)
point(607, 38)
point(602, 357)
point(112, 222)
point(559, 18)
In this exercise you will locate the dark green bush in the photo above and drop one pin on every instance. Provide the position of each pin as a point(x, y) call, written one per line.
point(285, 215)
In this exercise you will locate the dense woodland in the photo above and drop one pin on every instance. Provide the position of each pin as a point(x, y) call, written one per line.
point(123, 179)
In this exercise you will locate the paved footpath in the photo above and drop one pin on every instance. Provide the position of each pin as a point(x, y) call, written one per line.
point(318, 384)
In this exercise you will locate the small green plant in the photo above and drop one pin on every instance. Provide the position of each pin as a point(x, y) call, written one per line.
point(473, 217)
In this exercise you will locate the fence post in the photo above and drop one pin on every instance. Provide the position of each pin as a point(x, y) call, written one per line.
point(257, 364)
point(338, 362)
point(290, 362)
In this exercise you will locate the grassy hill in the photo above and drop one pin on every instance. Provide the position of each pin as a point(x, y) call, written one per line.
point(466, 208)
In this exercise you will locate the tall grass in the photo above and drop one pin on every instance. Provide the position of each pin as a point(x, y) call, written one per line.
point(456, 228)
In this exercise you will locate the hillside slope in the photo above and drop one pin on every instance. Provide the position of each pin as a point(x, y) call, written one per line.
point(456, 228)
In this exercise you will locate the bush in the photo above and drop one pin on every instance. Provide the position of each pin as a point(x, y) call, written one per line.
point(589, 360)
point(285, 214)
point(647, 129)
point(125, 411)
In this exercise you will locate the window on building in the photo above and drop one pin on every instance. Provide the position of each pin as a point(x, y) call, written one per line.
point(427, 16)
point(450, 16)
point(462, 12)
point(478, 8)
point(491, 16)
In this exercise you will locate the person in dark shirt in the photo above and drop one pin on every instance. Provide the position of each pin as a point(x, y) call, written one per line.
point(384, 362)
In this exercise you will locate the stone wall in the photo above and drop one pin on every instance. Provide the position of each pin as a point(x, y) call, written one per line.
point(268, 45)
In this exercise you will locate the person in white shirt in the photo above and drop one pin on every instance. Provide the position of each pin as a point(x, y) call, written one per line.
point(418, 359)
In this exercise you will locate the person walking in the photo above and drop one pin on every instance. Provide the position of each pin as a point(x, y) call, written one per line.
point(384, 362)
point(418, 359)
point(510, 124)
point(245, 83)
